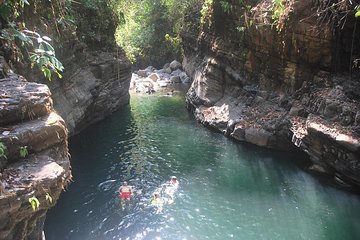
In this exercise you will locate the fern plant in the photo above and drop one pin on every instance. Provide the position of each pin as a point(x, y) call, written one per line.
point(34, 202)
point(23, 151)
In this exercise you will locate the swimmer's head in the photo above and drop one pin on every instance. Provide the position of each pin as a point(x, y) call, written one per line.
point(173, 178)
point(125, 183)
point(156, 194)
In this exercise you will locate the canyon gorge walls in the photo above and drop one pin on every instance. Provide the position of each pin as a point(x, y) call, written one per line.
point(277, 81)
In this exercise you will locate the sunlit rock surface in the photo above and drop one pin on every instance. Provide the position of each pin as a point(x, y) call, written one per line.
point(96, 86)
point(274, 86)
point(151, 80)
point(36, 162)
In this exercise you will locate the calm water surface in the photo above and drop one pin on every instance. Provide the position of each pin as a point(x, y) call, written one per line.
point(227, 190)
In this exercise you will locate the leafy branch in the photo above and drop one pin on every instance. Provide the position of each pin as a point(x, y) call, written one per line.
point(43, 54)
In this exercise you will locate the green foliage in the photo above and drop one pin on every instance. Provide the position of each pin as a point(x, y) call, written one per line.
point(240, 28)
point(2, 150)
point(34, 202)
point(278, 9)
point(206, 11)
point(11, 9)
point(23, 151)
point(96, 22)
point(226, 6)
point(48, 198)
point(149, 29)
point(43, 54)
point(357, 11)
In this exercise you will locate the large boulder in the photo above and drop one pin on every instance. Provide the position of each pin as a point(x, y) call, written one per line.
point(175, 65)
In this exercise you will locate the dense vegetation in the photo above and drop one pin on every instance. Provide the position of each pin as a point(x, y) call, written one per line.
point(35, 34)
point(148, 30)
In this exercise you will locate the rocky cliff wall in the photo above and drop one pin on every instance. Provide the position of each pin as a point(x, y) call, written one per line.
point(28, 121)
point(277, 85)
point(95, 84)
point(97, 74)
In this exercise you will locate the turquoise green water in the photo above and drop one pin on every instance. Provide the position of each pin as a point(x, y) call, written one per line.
point(227, 190)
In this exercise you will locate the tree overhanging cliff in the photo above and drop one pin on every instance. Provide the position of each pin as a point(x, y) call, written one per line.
point(280, 74)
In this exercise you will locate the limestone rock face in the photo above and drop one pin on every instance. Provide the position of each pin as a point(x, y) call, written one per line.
point(22, 100)
point(275, 86)
point(94, 87)
point(96, 75)
point(36, 162)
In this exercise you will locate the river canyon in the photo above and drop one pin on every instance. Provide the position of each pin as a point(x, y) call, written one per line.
point(274, 82)
point(227, 190)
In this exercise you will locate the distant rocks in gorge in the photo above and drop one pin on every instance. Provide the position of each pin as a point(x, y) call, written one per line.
point(150, 79)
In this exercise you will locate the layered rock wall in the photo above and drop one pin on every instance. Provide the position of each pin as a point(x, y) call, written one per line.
point(275, 84)
point(95, 85)
point(35, 162)
point(96, 76)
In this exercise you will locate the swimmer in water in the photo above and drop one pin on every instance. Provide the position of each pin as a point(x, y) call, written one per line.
point(125, 193)
point(171, 187)
point(158, 202)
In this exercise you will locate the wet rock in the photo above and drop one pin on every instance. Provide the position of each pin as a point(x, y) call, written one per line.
point(177, 72)
point(258, 137)
point(186, 80)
